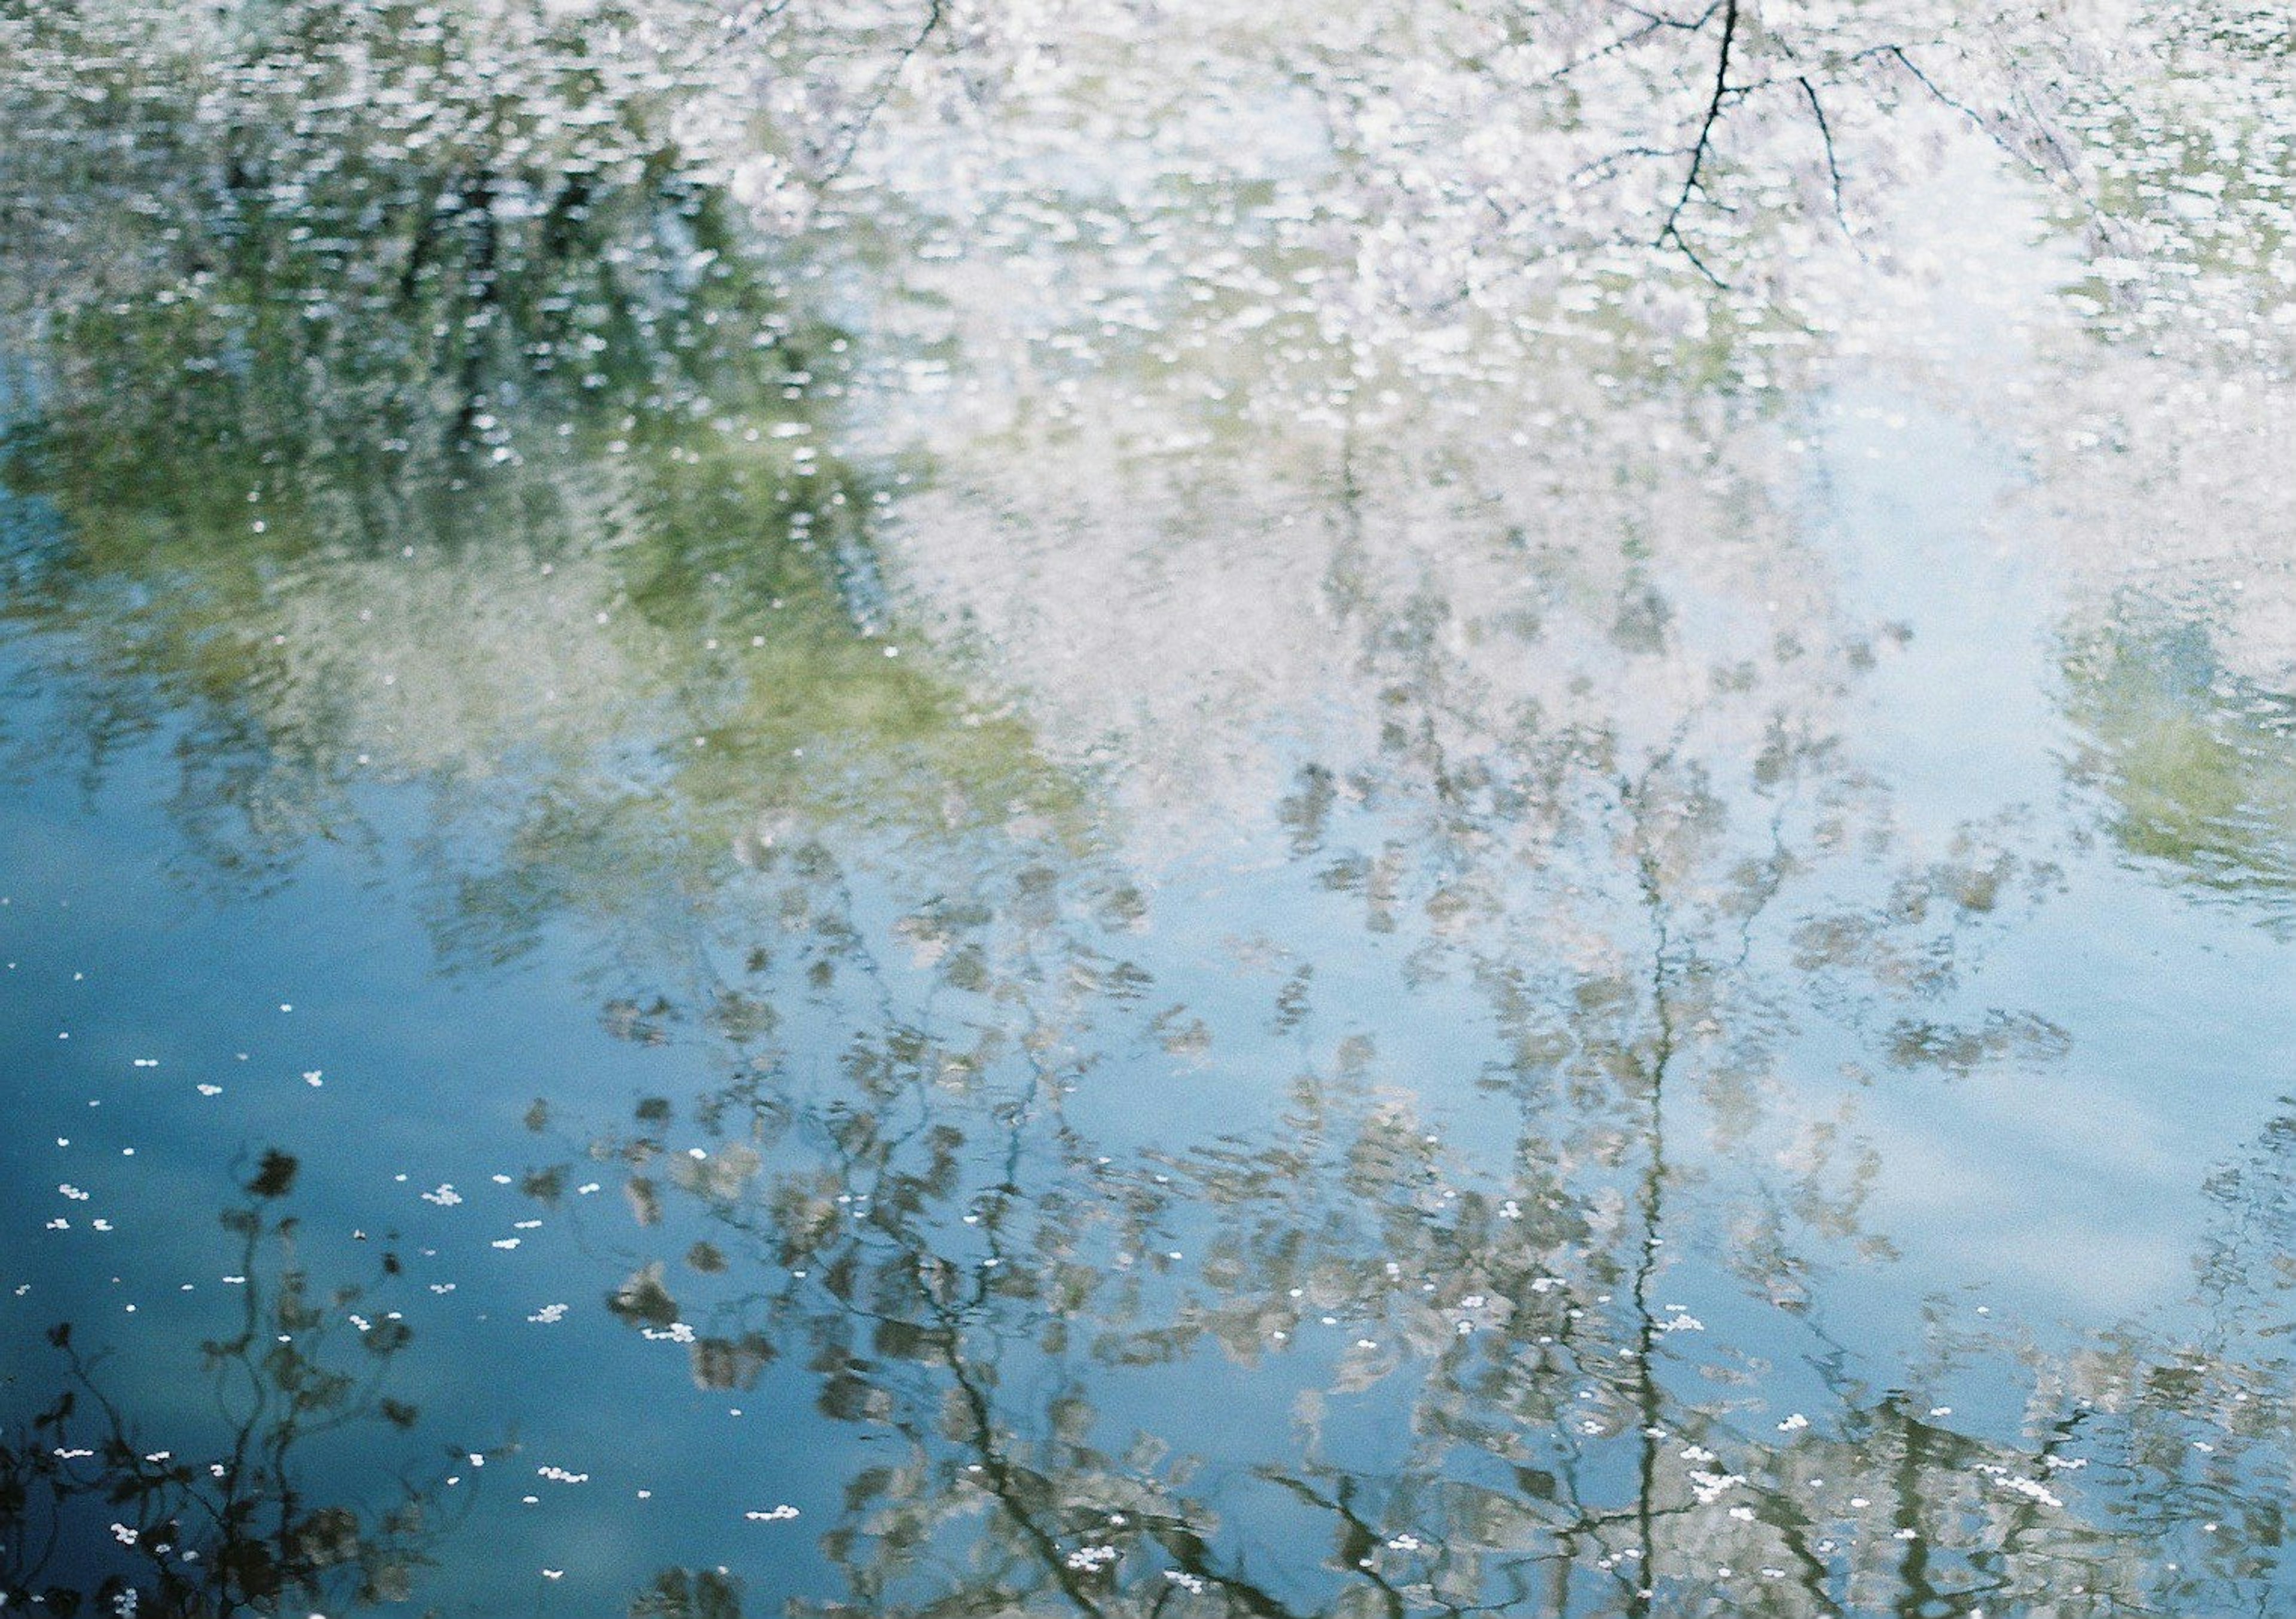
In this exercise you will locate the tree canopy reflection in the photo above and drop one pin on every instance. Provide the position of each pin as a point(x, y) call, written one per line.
point(505, 467)
point(253, 1509)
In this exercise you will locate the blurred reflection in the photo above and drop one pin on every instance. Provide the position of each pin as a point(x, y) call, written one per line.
point(1471, 1215)
point(643, 680)
point(683, 1593)
point(280, 1499)
point(2196, 764)
point(542, 518)
point(963, 1270)
point(1460, 1395)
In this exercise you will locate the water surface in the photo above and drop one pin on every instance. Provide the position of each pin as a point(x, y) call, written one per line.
point(1034, 901)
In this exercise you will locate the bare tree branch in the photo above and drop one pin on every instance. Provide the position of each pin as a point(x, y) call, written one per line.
point(1832, 162)
point(2064, 179)
point(936, 11)
point(1652, 23)
point(1660, 20)
point(1692, 182)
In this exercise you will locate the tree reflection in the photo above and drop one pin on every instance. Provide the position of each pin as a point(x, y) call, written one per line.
point(575, 445)
point(256, 1511)
point(1646, 861)
point(963, 1269)
point(2193, 760)
point(684, 1593)
point(1550, 1432)
point(1505, 1273)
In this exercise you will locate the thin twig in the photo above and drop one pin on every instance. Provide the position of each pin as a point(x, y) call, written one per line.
point(935, 10)
point(2065, 182)
point(1631, 36)
point(1833, 163)
point(1660, 20)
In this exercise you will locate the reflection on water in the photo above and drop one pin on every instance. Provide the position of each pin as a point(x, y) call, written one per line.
point(2194, 758)
point(1242, 965)
point(227, 1519)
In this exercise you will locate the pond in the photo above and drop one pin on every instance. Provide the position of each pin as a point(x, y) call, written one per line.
point(1145, 810)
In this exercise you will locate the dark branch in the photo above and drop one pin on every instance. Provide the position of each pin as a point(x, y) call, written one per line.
point(1651, 23)
point(1833, 163)
point(935, 10)
point(1693, 183)
point(2065, 181)
point(1660, 20)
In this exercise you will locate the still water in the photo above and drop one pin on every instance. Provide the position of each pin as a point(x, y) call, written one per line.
point(1034, 897)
